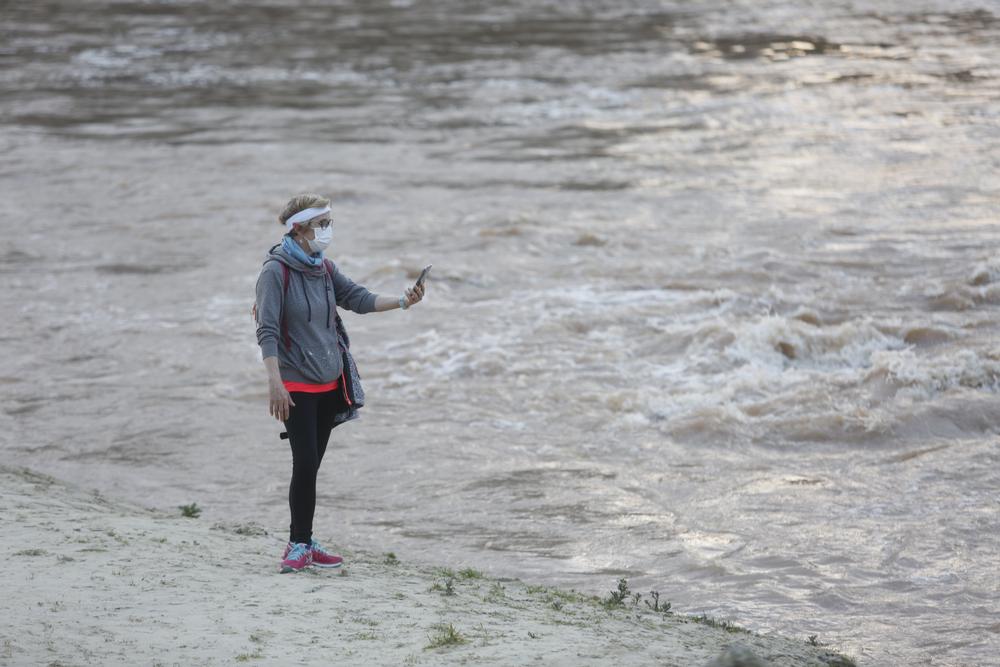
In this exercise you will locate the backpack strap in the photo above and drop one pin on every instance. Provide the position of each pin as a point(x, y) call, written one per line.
point(339, 323)
point(286, 277)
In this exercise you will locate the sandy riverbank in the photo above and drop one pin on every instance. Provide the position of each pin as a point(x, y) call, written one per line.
point(92, 581)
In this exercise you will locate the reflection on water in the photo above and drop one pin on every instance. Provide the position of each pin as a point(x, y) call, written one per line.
point(714, 303)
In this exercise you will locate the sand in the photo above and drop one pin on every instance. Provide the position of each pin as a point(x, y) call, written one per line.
point(88, 580)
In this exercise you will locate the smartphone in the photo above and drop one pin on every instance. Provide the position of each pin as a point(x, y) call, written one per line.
point(423, 274)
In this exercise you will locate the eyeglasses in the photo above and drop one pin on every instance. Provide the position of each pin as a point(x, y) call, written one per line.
point(322, 224)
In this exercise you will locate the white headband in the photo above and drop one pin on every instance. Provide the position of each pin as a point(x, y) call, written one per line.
point(307, 214)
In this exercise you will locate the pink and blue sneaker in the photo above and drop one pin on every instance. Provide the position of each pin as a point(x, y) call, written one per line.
point(323, 558)
point(297, 556)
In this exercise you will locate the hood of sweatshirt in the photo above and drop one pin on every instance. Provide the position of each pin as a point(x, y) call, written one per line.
point(279, 253)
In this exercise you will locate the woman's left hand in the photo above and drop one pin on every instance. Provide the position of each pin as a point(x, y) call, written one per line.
point(413, 295)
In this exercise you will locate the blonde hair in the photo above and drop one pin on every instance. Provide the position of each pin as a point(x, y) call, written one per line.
point(301, 203)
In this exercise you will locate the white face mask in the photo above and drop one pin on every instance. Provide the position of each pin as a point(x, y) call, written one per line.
point(322, 239)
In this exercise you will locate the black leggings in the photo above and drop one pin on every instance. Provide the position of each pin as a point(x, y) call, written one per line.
point(309, 424)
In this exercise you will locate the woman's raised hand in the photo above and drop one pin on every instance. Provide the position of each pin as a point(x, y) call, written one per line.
point(414, 294)
point(281, 402)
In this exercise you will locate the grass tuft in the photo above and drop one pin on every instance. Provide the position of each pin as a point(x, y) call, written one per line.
point(618, 597)
point(191, 511)
point(247, 657)
point(663, 607)
point(447, 589)
point(728, 626)
point(496, 592)
point(445, 635)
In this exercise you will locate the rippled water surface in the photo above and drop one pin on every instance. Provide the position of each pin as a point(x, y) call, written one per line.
point(714, 305)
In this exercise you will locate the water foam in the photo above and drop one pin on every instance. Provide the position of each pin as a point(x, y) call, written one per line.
point(918, 376)
point(781, 342)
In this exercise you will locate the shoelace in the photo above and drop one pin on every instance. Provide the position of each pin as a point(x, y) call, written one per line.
point(323, 552)
point(297, 552)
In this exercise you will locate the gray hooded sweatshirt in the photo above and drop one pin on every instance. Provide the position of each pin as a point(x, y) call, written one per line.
point(309, 309)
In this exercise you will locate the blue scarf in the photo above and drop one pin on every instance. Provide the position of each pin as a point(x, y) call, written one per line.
point(296, 251)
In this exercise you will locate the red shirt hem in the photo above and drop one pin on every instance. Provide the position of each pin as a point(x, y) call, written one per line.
point(311, 388)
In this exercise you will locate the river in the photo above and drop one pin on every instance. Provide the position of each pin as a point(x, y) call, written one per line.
point(714, 304)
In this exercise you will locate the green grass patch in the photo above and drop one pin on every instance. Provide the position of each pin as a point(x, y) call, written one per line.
point(496, 592)
point(656, 605)
point(191, 511)
point(728, 626)
point(617, 597)
point(31, 552)
point(247, 657)
point(445, 635)
point(447, 588)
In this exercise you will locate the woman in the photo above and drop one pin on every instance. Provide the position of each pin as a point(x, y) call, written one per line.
point(305, 349)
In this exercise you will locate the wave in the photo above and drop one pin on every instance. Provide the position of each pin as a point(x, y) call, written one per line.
point(796, 342)
point(913, 375)
point(985, 273)
point(786, 379)
point(981, 287)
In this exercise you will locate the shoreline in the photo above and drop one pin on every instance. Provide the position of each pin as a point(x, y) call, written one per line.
point(92, 580)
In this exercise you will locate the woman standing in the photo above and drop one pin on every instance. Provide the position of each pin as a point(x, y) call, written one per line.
point(311, 381)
